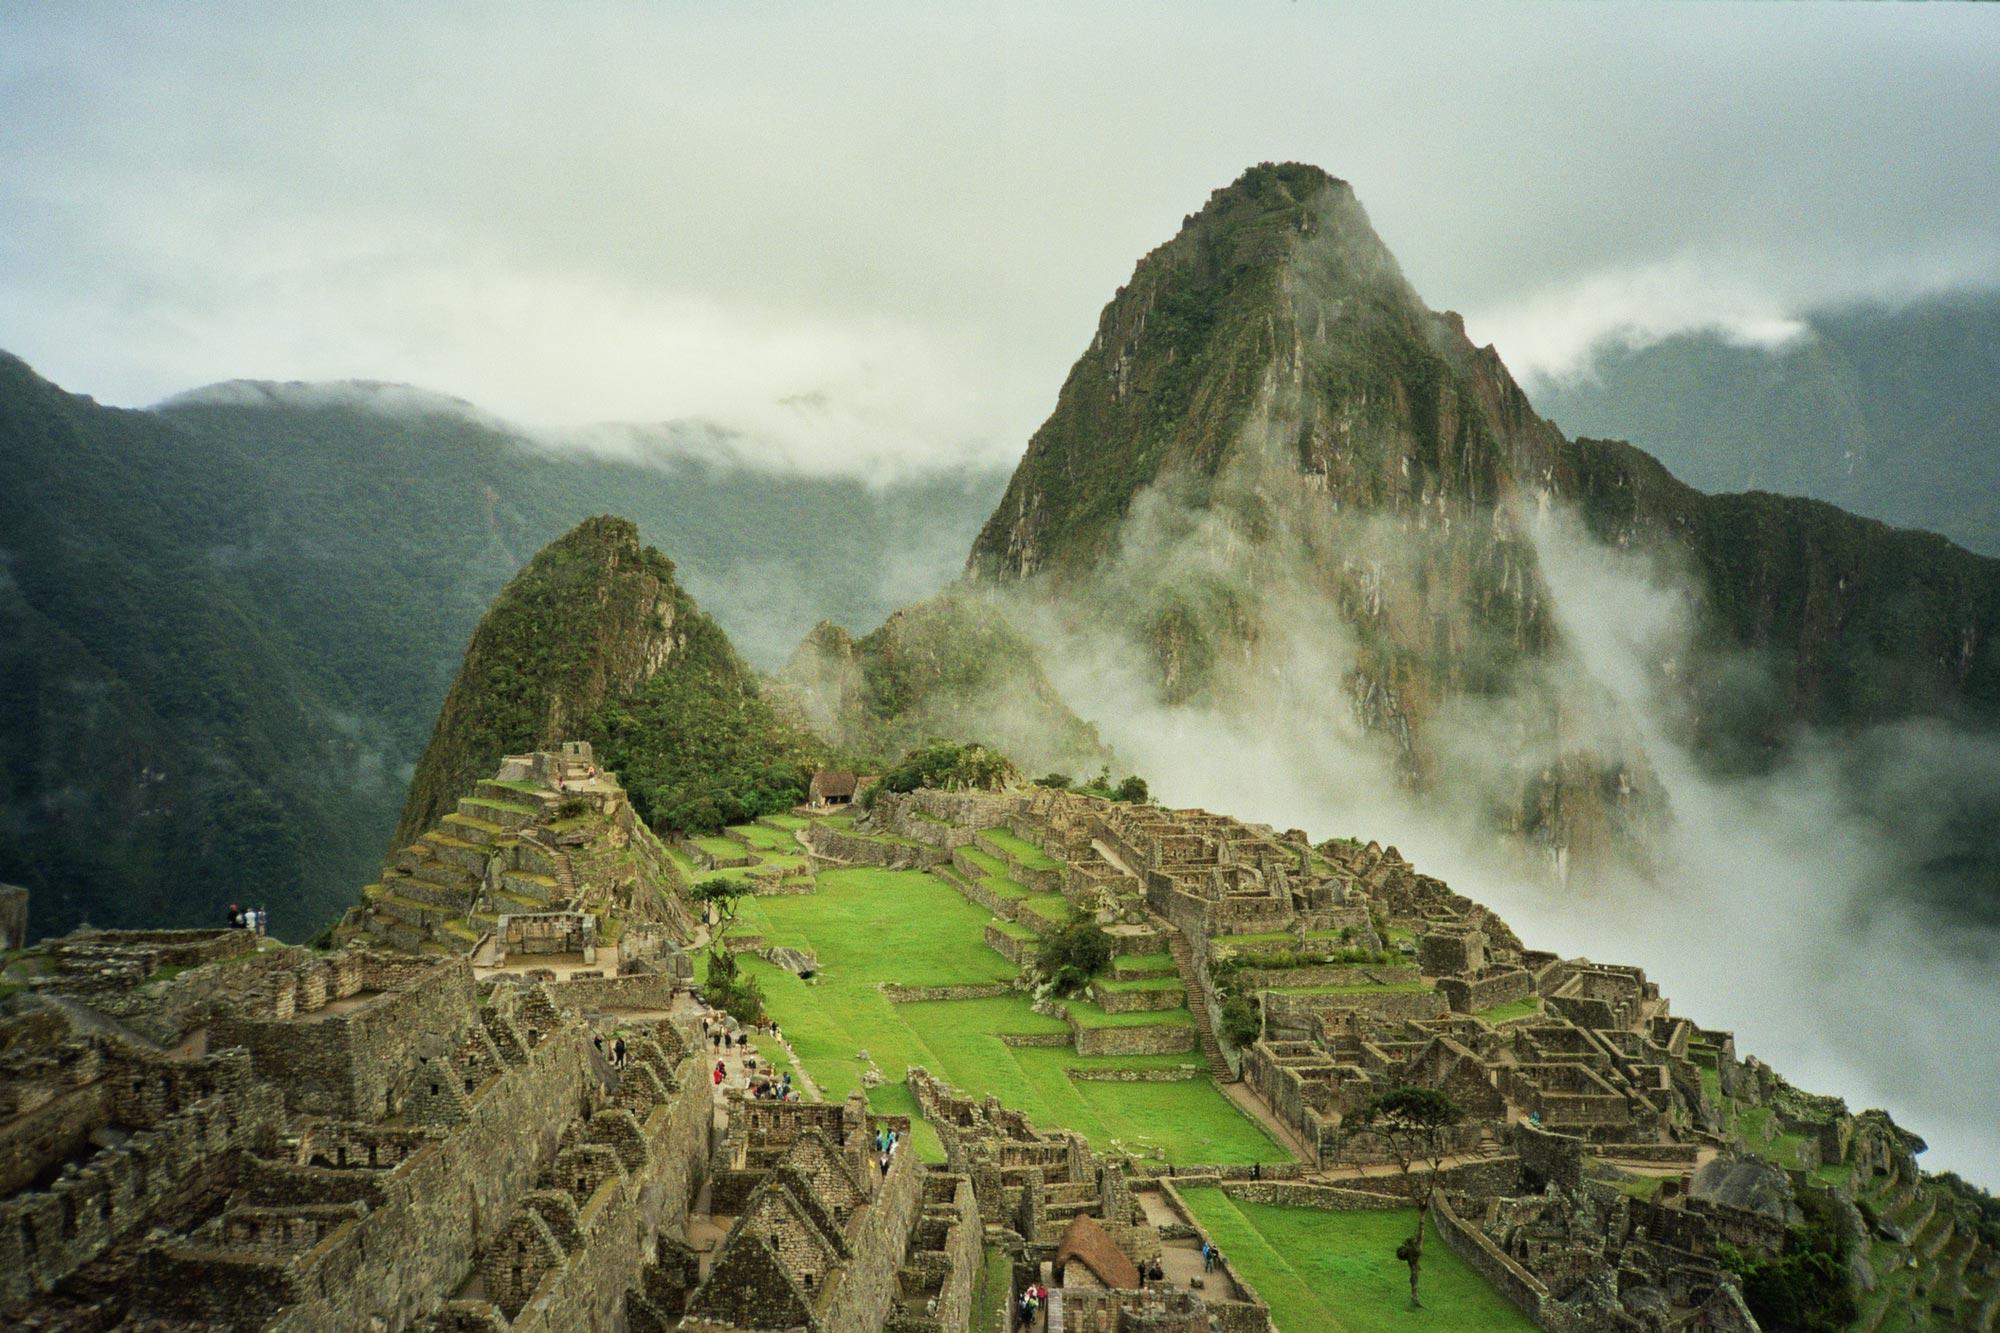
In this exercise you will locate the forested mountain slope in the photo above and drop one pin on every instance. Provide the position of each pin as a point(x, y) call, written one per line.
point(230, 622)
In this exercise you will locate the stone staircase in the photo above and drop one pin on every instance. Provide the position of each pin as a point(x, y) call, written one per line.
point(1197, 1003)
point(434, 895)
point(1955, 1282)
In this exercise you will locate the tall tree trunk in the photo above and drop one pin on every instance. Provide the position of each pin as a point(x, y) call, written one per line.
point(1417, 1250)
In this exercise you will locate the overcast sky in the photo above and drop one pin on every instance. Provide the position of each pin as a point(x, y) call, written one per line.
point(879, 236)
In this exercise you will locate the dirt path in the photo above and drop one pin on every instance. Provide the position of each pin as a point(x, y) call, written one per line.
point(1255, 1107)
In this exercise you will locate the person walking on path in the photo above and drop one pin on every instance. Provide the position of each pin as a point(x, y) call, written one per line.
point(618, 1053)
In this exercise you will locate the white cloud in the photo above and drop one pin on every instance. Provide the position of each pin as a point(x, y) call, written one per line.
point(912, 218)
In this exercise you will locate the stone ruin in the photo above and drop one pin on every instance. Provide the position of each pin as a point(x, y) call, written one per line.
point(547, 856)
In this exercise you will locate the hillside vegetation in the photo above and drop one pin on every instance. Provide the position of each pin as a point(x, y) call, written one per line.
point(226, 625)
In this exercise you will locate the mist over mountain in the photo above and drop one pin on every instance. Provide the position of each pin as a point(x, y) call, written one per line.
point(1296, 547)
point(1891, 412)
point(231, 620)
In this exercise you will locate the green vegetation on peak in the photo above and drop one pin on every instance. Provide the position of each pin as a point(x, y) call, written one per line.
point(593, 616)
point(595, 641)
point(1179, 353)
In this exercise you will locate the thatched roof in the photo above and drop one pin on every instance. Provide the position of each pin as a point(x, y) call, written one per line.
point(830, 782)
point(1091, 1245)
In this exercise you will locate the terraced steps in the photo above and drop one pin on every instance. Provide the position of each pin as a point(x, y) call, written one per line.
point(1211, 1048)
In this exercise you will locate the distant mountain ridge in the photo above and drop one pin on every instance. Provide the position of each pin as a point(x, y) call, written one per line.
point(1893, 413)
point(228, 625)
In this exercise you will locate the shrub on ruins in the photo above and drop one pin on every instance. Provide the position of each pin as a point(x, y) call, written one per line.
point(1072, 954)
point(1132, 788)
point(951, 766)
point(1414, 1126)
point(1805, 1290)
point(1240, 1022)
point(731, 989)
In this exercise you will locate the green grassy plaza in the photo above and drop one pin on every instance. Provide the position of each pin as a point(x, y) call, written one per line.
point(1327, 1272)
point(869, 926)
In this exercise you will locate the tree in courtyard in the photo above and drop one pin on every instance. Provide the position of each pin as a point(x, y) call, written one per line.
point(1413, 1125)
point(722, 894)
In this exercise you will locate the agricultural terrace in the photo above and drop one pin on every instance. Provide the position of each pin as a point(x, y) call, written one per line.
point(869, 926)
point(1337, 1272)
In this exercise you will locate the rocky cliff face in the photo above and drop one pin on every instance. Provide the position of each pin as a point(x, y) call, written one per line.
point(953, 667)
point(1272, 449)
point(591, 618)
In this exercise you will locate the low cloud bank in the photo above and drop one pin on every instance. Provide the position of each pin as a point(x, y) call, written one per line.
point(1787, 906)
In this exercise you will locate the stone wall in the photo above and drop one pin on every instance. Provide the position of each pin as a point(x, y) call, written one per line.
point(1331, 1198)
point(877, 1242)
point(1469, 997)
point(440, 1204)
point(618, 1225)
point(1296, 1016)
point(1149, 1039)
point(1331, 974)
point(910, 994)
point(1015, 951)
point(856, 849)
point(46, 1235)
point(356, 1065)
point(1547, 1157)
point(1514, 1282)
point(638, 991)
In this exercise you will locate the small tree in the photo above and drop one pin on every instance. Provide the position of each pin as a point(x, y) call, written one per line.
point(731, 989)
point(1414, 1126)
point(1240, 1021)
point(722, 894)
point(1072, 954)
point(1134, 789)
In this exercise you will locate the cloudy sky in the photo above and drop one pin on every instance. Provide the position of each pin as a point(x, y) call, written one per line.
point(879, 236)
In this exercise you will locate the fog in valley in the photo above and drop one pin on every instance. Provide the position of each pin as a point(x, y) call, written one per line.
point(1782, 906)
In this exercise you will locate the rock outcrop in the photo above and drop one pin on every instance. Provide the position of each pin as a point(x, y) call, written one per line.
point(1272, 449)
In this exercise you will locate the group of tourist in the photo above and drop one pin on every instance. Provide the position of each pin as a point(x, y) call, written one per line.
point(1210, 1257)
point(886, 1143)
point(768, 1089)
point(1030, 1303)
point(246, 918)
point(616, 1055)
